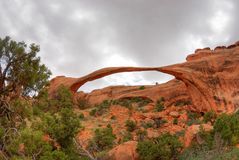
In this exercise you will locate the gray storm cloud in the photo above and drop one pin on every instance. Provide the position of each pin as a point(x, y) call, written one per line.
point(80, 36)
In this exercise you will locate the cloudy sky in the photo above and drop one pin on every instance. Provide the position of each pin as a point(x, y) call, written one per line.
point(80, 36)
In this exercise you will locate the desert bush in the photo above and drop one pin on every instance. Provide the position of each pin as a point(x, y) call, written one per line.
point(218, 143)
point(54, 155)
point(204, 153)
point(182, 103)
point(34, 146)
point(63, 98)
point(81, 116)
point(141, 87)
point(123, 102)
point(2, 132)
point(141, 134)
point(22, 108)
point(159, 122)
point(147, 125)
point(131, 125)
point(101, 108)
point(180, 133)
point(127, 137)
point(228, 127)
point(82, 103)
point(164, 147)
point(113, 117)
point(209, 117)
point(102, 140)
point(127, 102)
point(63, 127)
point(193, 118)
point(175, 121)
point(159, 106)
point(93, 112)
point(43, 103)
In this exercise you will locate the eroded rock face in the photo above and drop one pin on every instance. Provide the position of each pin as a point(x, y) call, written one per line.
point(211, 78)
point(172, 92)
point(192, 131)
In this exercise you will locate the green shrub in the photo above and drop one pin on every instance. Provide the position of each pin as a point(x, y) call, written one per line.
point(100, 108)
point(2, 132)
point(93, 112)
point(82, 103)
point(63, 98)
point(159, 122)
point(175, 121)
point(42, 103)
point(141, 134)
point(63, 127)
point(232, 154)
point(81, 116)
point(127, 102)
point(113, 117)
point(22, 108)
point(102, 140)
point(127, 137)
point(159, 106)
point(203, 153)
point(164, 147)
point(141, 87)
point(54, 155)
point(182, 103)
point(33, 144)
point(228, 127)
point(123, 102)
point(216, 144)
point(209, 116)
point(131, 125)
point(180, 133)
point(193, 118)
point(147, 125)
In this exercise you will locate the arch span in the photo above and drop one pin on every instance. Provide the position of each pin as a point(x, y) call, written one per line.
point(75, 83)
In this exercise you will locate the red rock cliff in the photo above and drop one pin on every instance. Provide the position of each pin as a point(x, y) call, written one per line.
point(211, 78)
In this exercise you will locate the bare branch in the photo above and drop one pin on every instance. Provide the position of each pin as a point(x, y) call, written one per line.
point(85, 152)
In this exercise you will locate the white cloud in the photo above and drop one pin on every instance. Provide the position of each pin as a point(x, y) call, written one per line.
point(219, 21)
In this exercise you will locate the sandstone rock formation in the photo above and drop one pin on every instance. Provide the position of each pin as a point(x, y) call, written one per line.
point(125, 151)
point(192, 131)
point(172, 92)
point(209, 77)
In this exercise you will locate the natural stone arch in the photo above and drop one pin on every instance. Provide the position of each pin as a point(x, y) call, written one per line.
point(75, 83)
point(210, 77)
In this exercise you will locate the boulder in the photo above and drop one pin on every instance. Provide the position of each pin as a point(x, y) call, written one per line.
point(125, 151)
point(174, 114)
point(191, 131)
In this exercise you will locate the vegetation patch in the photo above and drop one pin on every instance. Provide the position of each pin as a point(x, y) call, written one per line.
point(102, 140)
point(164, 147)
point(159, 106)
point(131, 125)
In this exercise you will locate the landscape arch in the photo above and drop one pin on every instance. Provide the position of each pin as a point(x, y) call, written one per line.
point(75, 83)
